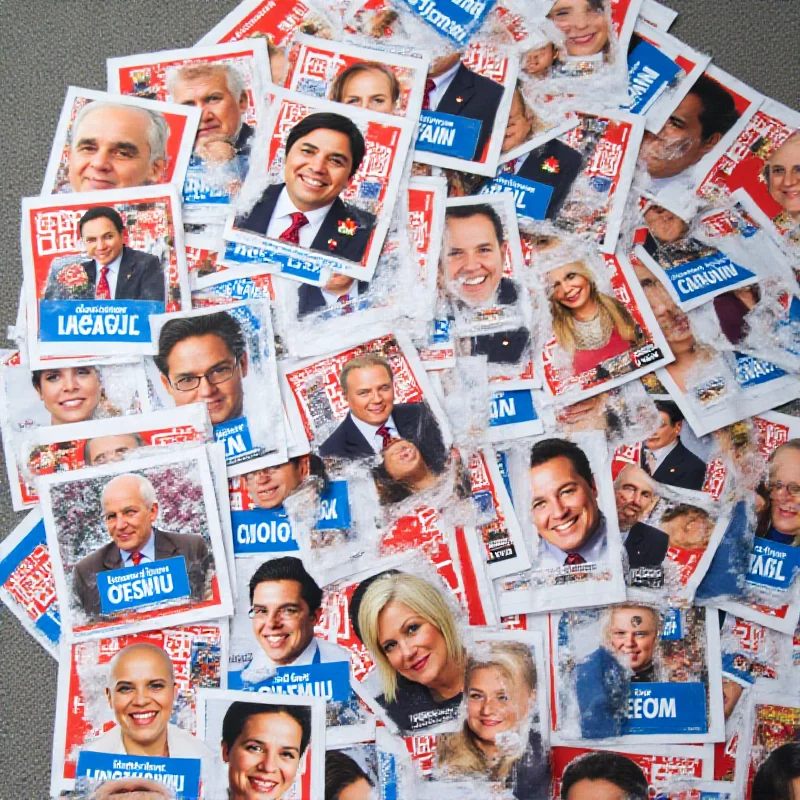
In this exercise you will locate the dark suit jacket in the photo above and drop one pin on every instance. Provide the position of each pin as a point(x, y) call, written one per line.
point(472, 96)
point(569, 163)
point(504, 347)
point(244, 140)
point(682, 468)
point(646, 546)
point(310, 299)
point(168, 545)
point(141, 277)
point(351, 248)
point(414, 422)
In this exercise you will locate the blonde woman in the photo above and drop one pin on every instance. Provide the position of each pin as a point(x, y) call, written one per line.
point(412, 635)
point(592, 327)
point(497, 740)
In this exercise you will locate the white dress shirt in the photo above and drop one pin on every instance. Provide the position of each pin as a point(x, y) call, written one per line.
point(332, 300)
point(594, 551)
point(111, 277)
point(662, 453)
point(148, 553)
point(370, 432)
point(282, 219)
point(262, 667)
point(442, 82)
point(181, 744)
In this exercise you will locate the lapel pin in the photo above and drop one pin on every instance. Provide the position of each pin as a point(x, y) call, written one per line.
point(459, 99)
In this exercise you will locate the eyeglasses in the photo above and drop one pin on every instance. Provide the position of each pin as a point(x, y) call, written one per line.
point(220, 374)
point(792, 488)
point(284, 613)
point(264, 472)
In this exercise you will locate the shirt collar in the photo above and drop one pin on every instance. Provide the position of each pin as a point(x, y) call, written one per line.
point(284, 207)
point(369, 431)
point(663, 452)
point(148, 551)
point(115, 264)
point(593, 551)
point(446, 76)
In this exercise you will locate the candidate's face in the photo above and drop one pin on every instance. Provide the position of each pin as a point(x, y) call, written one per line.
point(318, 168)
point(263, 761)
point(359, 790)
point(666, 433)
point(370, 394)
point(111, 151)
point(635, 496)
point(690, 531)
point(731, 692)
point(414, 647)
point(564, 505)
point(283, 624)
point(221, 112)
point(71, 394)
point(537, 62)
point(474, 258)
point(141, 693)
point(519, 125)
point(128, 518)
point(673, 322)
point(270, 486)
point(108, 449)
point(785, 509)
point(634, 633)
point(569, 287)
point(596, 790)
point(494, 704)
point(784, 176)
point(402, 459)
point(339, 283)
point(664, 225)
point(584, 27)
point(370, 89)
point(209, 356)
point(103, 242)
point(679, 144)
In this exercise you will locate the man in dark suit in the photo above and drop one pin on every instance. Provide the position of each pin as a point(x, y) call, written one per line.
point(323, 152)
point(375, 420)
point(454, 89)
point(115, 272)
point(553, 164)
point(636, 496)
point(666, 458)
point(341, 290)
point(130, 508)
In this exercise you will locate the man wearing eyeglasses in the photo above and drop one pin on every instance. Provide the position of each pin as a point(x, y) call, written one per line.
point(204, 359)
point(269, 487)
point(784, 494)
point(286, 604)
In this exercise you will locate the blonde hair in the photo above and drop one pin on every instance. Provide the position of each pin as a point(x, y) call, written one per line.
point(564, 322)
point(629, 607)
point(423, 599)
point(459, 753)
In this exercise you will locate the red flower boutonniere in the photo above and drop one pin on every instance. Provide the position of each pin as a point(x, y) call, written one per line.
point(73, 276)
point(333, 244)
point(551, 165)
point(347, 227)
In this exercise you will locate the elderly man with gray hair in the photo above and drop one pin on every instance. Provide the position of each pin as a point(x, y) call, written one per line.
point(219, 91)
point(115, 145)
point(130, 507)
point(636, 495)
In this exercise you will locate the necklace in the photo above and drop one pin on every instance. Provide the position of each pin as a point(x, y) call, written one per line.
point(593, 333)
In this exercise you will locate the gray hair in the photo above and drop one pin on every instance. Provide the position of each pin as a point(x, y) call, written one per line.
point(147, 492)
point(157, 129)
point(233, 78)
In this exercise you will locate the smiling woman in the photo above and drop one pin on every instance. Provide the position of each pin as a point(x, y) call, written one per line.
point(585, 26)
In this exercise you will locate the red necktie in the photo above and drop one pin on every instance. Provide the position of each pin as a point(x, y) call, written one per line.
point(383, 432)
point(573, 559)
point(103, 290)
point(430, 85)
point(510, 166)
point(344, 299)
point(292, 233)
point(136, 558)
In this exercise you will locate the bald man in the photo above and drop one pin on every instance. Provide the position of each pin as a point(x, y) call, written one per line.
point(141, 693)
point(636, 495)
point(130, 508)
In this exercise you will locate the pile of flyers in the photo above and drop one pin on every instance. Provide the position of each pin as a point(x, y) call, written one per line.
point(406, 404)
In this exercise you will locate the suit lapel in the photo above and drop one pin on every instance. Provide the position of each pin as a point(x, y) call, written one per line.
point(128, 268)
point(459, 93)
point(91, 272)
point(165, 547)
point(355, 443)
point(329, 230)
point(112, 558)
point(268, 206)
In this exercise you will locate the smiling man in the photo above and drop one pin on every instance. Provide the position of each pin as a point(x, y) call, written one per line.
point(633, 635)
point(141, 693)
point(270, 486)
point(115, 146)
point(784, 494)
point(375, 419)
point(782, 173)
point(115, 271)
point(571, 527)
point(130, 506)
point(323, 152)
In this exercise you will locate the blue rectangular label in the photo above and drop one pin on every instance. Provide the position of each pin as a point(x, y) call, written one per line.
point(531, 199)
point(331, 681)
point(448, 135)
point(706, 276)
point(673, 625)
point(387, 769)
point(235, 434)
point(752, 371)
point(153, 582)
point(663, 708)
point(334, 511)
point(262, 530)
point(649, 72)
point(457, 20)
point(732, 663)
point(512, 408)
point(181, 775)
point(240, 289)
point(502, 465)
point(441, 331)
point(96, 320)
point(279, 257)
point(772, 564)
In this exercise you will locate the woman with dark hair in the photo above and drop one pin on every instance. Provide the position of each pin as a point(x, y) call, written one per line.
point(344, 778)
point(778, 778)
point(403, 472)
point(71, 394)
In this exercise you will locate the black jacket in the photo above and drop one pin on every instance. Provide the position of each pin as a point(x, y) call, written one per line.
point(310, 299)
point(504, 347)
point(682, 468)
point(553, 164)
point(646, 546)
point(348, 247)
